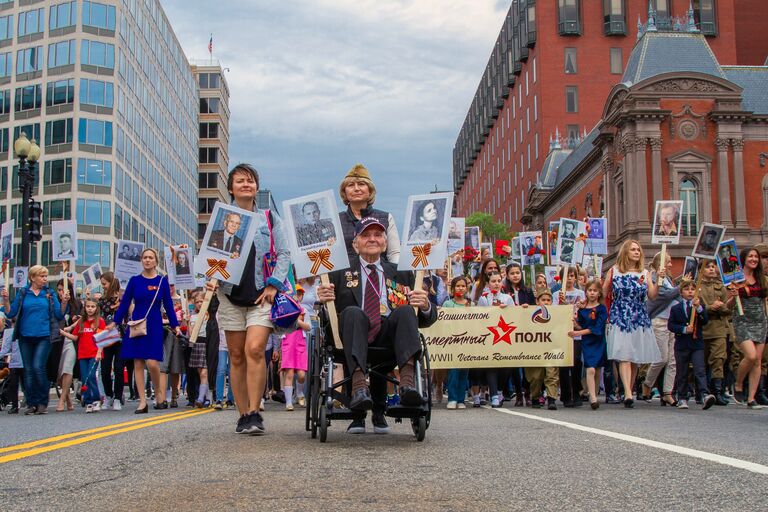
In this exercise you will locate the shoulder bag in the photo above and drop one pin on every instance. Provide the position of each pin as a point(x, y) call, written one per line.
point(285, 310)
point(139, 327)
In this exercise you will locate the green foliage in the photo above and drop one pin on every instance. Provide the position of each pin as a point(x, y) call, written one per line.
point(491, 229)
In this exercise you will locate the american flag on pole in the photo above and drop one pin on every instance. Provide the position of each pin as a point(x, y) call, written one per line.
point(210, 45)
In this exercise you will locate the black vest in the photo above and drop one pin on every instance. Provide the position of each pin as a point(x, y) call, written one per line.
point(348, 223)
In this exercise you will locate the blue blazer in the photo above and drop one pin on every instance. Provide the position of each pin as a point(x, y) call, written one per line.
point(678, 321)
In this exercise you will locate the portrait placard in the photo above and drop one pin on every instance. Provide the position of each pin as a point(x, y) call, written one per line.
point(472, 238)
point(597, 236)
point(593, 265)
point(127, 260)
point(178, 265)
point(550, 272)
point(667, 219)
point(228, 236)
point(456, 238)
point(708, 241)
point(6, 237)
point(517, 250)
point(64, 240)
point(728, 261)
point(314, 234)
point(20, 277)
point(532, 248)
point(425, 245)
point(552, 232)
point(91, 275)
point(690, 267)
point(571, 241)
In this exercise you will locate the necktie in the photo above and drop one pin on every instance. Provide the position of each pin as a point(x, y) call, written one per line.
point(688, 309)
point(228, 246)
point(372, 304)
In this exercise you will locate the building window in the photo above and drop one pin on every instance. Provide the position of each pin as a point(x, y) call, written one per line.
point(6, 27)
point(571, 132)
point(5, 101)
point(58, 172)
point(209, 80)
point(29, 97)
point(4, 146)
point(208, 155)
point(60, 93)
point(31, 22)
point(94, 212)
point(62, 15)
point(689, 196)
point(99, 15)
point(29, 60)
point(614, 17)
point(57, 209)
point(90, 252)
point(6, 64)
point(569, 17)
point(570, 61)
point(93, 131)
point(704, 16)
point(205, 204)
point(209, 105)
point(663, 10)
point(209, 130)
point(94, 172)
point(96, 53)
point(617, 62)
point(96, 92)
point(571, 98)
point(208, 180)
point(58, 132)
point(61, 54)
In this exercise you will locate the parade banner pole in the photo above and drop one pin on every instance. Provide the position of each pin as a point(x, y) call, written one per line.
point(695, 296)
point(65, 271)
point(333, 317)
point(184, 306)
point(203, 311)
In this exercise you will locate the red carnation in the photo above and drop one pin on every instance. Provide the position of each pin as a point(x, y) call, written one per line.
point(732, 258)
point(83, 388)
point(557, 278)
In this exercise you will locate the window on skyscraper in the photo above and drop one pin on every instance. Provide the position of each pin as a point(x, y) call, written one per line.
point(208, 155)
point(5, 102)
point(94, 212)
point(61, 53)
point(28, 97)
point(58, 132)
point(94, 172)
point(60, 92)
point(209, 105)
point(6, 64)
point(99, 15)
point(31, 22)
point(29, 60)
point(6, 27)
point(209, 130)
point(96, 92)
point(62, 15)
point(58, 172)
point(94, 131)
point(96, 53)
point(4, 145)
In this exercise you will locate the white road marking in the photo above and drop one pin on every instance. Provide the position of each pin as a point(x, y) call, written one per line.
point(712, 457)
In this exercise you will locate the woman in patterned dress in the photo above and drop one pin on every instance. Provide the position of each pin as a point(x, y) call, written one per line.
point(629, 336)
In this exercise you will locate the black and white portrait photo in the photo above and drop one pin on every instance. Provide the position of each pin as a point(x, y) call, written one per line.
point(569, 229)
point(91, 275)
point(426, 224)
point(182, 266)
point(708, 241)
point(567, 248)
point(20, 277)
point(314, 224)
point(127, 260)
point(64, 240)
point(64, 247)
point(472, 237)
point(427, 220)
point(226, 243)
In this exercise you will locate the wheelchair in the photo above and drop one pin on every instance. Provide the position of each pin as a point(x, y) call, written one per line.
point(328, 400)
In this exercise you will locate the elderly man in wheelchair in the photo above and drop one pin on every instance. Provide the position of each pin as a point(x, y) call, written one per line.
point(376, 305)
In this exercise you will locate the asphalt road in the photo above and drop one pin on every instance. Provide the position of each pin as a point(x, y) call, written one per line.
point(474, 459)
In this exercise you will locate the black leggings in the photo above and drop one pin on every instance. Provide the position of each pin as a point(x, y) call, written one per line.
point(496, 377)
point(15, 378)
point(112, 360)
point(570, 377)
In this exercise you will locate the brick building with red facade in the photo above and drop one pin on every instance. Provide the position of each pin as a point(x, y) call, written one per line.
point(553, 65)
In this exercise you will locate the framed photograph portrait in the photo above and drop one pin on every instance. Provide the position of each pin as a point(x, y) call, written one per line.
point(569, 229)
point(708, 241)
point(571, 241)
point(426, 223)
point(472, 237)
point(92, 275)
point(667, 219)
point(593, 265)
point(691, 267)
point(728, 261)
point(532, 248)
point(20, 277)
point(64, 240)
point(127, 260)
point(552, 236)
point(455, 235)
point(517, 251)
point(550, 272)
point(6, 240)
point(179, 265)
point(314, 234)
point(597, 236)
point(229, 234)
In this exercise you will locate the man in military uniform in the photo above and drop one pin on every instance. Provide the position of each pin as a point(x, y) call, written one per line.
point(314, 229)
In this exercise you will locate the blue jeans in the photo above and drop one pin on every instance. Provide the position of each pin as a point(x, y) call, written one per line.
point(34, 356)
point(88, 378)
point(222, 370)
point(458, 382)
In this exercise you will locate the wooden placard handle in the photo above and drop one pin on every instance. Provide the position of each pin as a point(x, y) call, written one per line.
point(333, 317)
point(203, 311)
point(418, 283)
point(695, 296)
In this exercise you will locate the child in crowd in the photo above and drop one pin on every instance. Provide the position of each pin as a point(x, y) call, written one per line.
point(524, 297)
point(88, 354)
point(590, 326)
point(458, 379)
point(570, 376)
point(689, 344)
point(541, 283)
point(222, 375)
point(494, 297)
point(539, 376)
point(293, 357)
point(198, 354)
point(714, 294)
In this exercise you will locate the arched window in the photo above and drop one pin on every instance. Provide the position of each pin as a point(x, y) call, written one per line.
point(689, 195)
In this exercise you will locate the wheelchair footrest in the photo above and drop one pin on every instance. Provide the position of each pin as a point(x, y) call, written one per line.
point(345, 414)
point(399, 411)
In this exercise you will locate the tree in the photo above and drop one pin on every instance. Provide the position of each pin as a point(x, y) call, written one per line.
point(491, 229)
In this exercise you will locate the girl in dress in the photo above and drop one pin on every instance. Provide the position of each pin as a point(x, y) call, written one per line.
point(629, 337)
point(293, 357)
point(570, 376)
point(590, 326)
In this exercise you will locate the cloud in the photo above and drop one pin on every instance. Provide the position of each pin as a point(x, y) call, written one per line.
point(317, 86)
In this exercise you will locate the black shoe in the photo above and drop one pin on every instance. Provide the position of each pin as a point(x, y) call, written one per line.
point(740, 397)
point(143, 410)
point(380, 425)
point(361, 400)
point(578, 403)
point(174, 404)
point(255, 425)
point(163, 405)
point(629, 403)
point(595, 405)
point(356, 427)
point(242, 422)
point(551, 405)
point(30, 411)
point(410, 397)
point(41, 409)
point(760, 397)
point(568, 404)
point(13, 410)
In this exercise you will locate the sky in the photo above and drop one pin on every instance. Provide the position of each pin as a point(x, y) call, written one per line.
point(318, 86)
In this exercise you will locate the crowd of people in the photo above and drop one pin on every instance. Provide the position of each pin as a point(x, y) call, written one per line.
point(638, 333)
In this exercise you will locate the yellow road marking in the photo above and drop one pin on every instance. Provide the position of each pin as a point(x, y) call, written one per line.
point(100, 435)
point(70, 435)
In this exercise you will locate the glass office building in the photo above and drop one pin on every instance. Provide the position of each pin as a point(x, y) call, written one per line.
point(106, 90)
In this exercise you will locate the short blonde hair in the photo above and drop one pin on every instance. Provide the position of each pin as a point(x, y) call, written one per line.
point(357, 173)
point(623, 258)
point(36, 270)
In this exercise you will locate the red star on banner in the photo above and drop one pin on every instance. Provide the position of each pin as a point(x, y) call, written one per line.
point(502, 331)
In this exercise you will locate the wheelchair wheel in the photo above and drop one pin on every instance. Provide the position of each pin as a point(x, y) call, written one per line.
point(419, 426)
point(310, 390)
point(427, 381)
point(323, 423)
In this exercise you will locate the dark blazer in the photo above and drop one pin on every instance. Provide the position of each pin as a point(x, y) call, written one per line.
point(349, 288)
point(677, 323)
point(217, 241)
point(525, 295)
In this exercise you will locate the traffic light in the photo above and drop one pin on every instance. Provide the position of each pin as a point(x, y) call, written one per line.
point(35, 221)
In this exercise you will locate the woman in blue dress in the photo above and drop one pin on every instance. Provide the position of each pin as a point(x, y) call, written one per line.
point(146, 291)
point(629, 336)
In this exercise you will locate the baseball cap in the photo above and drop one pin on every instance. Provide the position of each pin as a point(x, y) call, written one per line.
point(366, 223)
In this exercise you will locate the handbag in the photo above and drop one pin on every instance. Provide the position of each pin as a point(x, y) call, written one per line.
point(285, 310)
point(139, 327)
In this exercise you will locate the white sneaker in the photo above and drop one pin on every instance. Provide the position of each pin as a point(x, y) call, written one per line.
point(117, 405)
point(96, 406)
point(288, 407)
point(107, 403)
point(89, 409)
point(261, 405)
point(461, 405)
point(451, 404)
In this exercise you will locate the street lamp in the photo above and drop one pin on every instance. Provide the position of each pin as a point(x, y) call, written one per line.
point(28, 152)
